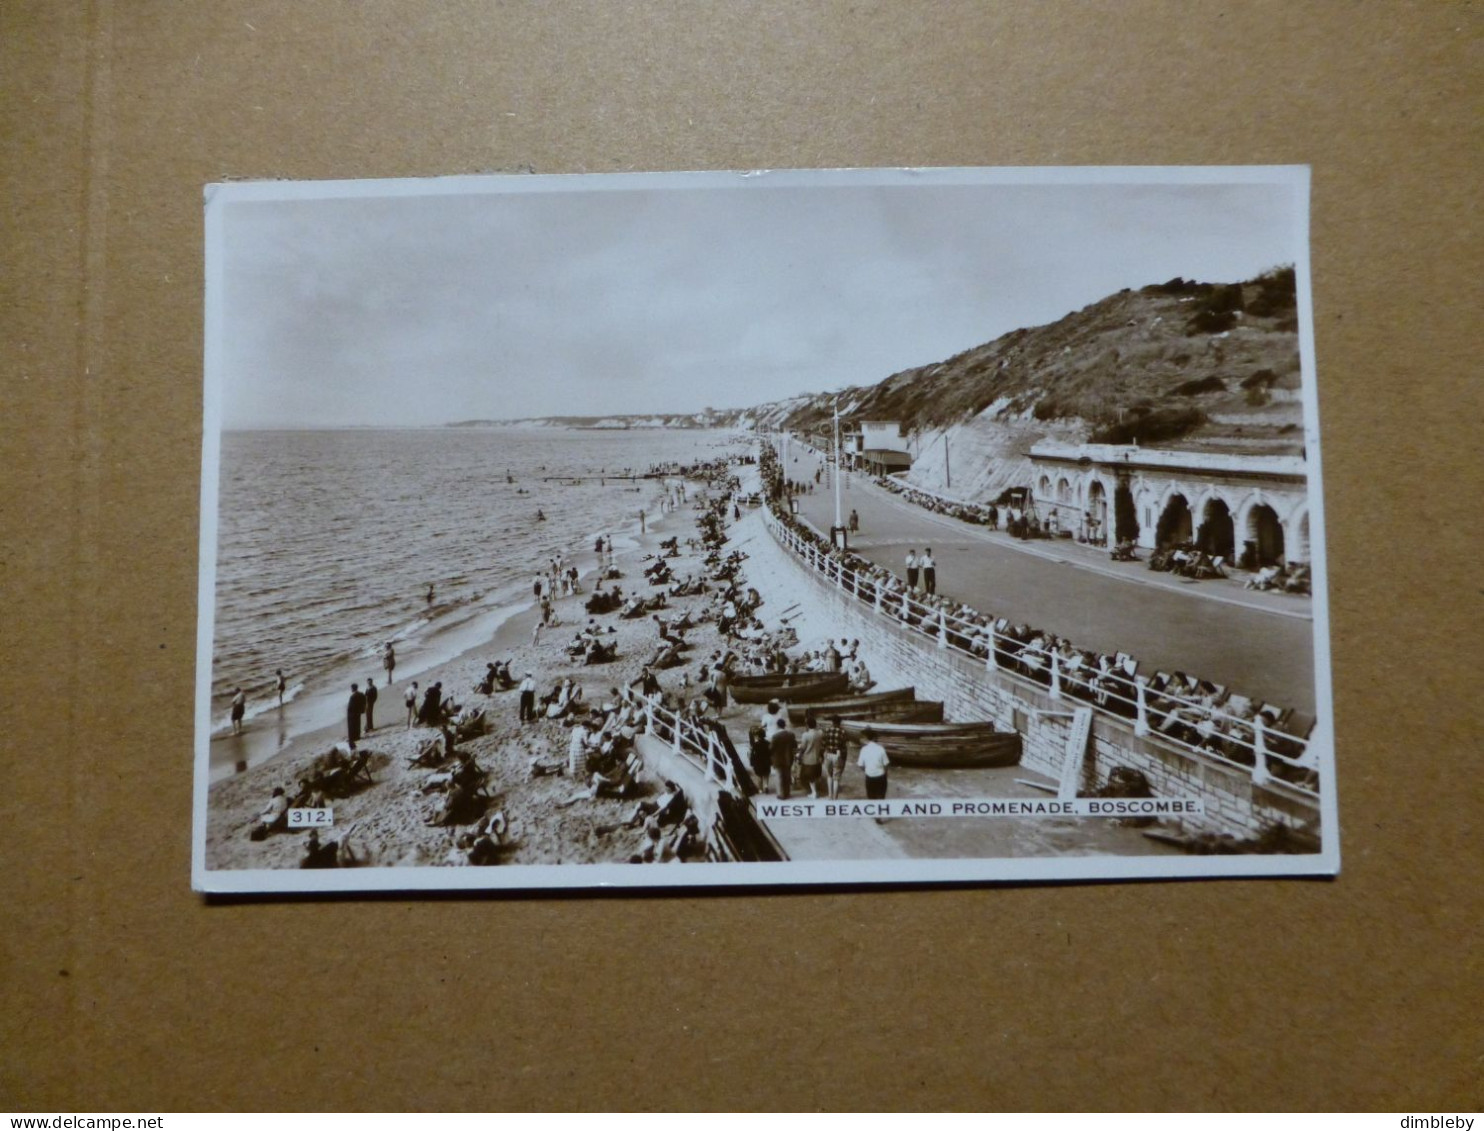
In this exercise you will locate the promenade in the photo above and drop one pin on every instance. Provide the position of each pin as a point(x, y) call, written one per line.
point(1258, 644)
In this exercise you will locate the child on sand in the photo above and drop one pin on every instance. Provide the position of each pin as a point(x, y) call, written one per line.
point(239, 708)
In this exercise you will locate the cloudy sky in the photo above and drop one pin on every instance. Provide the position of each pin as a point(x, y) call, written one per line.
point(428, 307)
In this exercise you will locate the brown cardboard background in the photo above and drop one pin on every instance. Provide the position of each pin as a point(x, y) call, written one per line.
point(123, 990)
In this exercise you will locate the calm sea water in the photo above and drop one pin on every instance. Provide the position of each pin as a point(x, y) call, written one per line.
point(328, 541)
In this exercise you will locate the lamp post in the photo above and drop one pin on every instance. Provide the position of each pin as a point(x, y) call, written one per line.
point(837, 532)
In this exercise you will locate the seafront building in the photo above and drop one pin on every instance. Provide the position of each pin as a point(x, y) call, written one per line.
point(876, 446)
point(1250, 510)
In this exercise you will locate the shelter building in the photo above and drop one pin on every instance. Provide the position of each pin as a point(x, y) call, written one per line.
point(1250, 510)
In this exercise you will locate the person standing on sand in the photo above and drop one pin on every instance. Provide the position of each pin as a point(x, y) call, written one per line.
point(912, 571)
point(280, 685)
point(832, 743)
point(355, 708)
point(642, 528)
point(783, 746)
point(370, 705)
point(239, 708)
point(528, 698)
point(855, 522)
point(873, 763)
point(389, 661)
point(430, 593)
point(929, 572)
point(811, 755)
point(410, 698)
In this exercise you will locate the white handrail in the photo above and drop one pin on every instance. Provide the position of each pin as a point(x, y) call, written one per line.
point(696, 744)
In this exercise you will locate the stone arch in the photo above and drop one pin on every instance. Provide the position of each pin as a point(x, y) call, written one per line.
point(1174, 526)
point(1262, 535)
point(1297, 536)
point(1097, 512)
point(1125, 513)
point(1043, 487)
point(1063, 490)
point(1216, 534)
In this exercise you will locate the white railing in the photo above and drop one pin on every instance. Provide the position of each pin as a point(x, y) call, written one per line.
point(697, 744)
point(1211, 725)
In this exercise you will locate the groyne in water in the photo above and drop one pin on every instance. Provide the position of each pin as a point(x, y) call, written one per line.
point(1238, 801)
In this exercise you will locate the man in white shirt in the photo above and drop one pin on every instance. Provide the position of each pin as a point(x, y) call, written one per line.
point(528, 698)
point(912, 570)
point(873, 763)
point(929, 572)
point(410, 698)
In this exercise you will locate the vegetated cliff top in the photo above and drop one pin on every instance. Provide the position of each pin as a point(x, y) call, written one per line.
point(1207, 365)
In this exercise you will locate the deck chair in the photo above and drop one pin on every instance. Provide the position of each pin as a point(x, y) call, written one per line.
point(1300, 724)
point(359, 769)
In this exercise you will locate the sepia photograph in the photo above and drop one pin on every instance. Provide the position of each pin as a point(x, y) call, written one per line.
point(763, 528)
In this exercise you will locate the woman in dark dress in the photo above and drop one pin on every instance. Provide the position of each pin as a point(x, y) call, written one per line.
point(759, 756)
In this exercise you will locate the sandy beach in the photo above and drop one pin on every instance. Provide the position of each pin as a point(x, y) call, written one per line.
point(385, 823)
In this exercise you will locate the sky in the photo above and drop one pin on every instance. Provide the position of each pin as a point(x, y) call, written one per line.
point(423, 308)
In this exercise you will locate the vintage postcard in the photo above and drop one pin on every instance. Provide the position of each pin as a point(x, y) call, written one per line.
point(764, 528)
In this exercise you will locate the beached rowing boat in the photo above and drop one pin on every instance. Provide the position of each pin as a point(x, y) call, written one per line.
point(859, 706)
point(801, 687)
point(917, 711)
point(898, 705)
point(944, 745)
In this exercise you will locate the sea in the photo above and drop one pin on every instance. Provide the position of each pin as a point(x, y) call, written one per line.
point(328, 542)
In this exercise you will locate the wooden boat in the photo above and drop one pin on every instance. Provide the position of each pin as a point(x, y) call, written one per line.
point(946, 745)
point(918, 711)
point(802, 687)
point(858, 706)
point(898, 705)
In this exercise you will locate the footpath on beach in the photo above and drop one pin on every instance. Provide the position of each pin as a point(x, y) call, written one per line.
point(1262, 643)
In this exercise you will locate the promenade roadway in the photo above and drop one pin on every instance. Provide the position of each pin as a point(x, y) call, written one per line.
point(1257, 644)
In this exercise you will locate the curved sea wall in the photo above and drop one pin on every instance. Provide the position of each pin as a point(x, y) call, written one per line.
point(1235, 802)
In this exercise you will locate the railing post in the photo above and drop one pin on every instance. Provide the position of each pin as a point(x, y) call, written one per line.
point(1141, 706)
point(942, 629)
point(1260, 775)
point(1055, 673)
point(991, 662)
point(675, 734)
point(877, 585)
